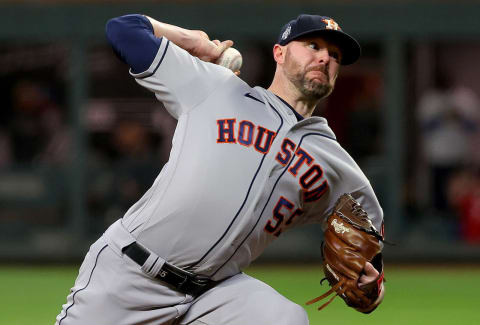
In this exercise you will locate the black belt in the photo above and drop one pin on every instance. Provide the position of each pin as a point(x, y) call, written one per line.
point(182, 280)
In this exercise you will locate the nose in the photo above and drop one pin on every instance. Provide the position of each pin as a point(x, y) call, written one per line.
point(323, 56)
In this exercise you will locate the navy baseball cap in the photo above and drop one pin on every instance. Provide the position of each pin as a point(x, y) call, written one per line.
point(325, 27)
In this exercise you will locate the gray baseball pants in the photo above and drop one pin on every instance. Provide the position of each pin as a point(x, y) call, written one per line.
point(111, 289)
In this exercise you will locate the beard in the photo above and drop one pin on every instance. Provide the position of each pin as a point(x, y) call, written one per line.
point(310, 88)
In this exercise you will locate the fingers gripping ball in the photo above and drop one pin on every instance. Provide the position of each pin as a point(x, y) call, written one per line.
point(231, 59)
point(350, 242)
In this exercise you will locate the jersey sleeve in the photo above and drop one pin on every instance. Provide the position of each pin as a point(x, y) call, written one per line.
point(179, 80)
point(342, 175)
point(369, 202)
point(133, 41)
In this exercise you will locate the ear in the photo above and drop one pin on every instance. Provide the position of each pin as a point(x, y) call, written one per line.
point(279, 53)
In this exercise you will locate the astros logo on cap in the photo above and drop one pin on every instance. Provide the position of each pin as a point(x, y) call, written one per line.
point(331, 24)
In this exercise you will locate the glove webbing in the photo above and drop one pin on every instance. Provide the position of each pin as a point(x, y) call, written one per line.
point(326, 294)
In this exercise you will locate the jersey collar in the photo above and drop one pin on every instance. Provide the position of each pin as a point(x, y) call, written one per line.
point(298, 116)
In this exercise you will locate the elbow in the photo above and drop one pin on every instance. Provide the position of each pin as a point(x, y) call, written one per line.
point(132, 40)
point(127, 28)
point(113, 30)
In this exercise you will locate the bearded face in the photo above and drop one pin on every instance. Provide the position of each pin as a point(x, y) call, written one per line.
point(314, 80)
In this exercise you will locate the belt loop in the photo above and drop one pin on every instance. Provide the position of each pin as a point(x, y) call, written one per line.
point(117, 237)
point(153, 264)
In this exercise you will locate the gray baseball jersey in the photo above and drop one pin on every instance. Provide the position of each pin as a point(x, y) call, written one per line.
point(242, 170)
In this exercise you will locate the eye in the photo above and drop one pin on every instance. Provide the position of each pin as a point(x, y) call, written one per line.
point(313, 45)
point(335, 54)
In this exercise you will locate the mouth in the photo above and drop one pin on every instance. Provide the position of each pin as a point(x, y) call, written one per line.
point(317, 74)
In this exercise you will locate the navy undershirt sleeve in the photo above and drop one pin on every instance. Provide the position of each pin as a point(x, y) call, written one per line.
point(133, 41)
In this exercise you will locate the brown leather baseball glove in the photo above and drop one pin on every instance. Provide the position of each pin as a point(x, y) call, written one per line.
point(350, 241)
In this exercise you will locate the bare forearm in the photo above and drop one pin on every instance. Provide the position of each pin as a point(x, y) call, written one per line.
point(184, 38)
point(196, 42)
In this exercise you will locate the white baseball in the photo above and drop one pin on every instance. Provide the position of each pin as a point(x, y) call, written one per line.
point(231, 59)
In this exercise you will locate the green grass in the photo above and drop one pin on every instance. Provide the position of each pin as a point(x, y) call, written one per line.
point(33, 295)
point(429, 295)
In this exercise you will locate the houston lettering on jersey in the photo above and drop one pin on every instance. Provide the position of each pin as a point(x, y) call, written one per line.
point(301, 165)
point(247, 134)
point(312, 182)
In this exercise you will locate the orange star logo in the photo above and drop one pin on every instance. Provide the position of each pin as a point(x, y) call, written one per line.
point(331, 24)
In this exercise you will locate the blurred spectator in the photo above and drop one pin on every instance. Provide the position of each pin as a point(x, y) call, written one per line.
point(449, 118)
point(364, 121)
point(34, 147)
point(464, 194)
point(37, 131)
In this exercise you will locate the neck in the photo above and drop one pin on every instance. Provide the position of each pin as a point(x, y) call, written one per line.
point(289, 93)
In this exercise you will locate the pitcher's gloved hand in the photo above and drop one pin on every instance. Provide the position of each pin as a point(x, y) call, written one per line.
point(352, 258)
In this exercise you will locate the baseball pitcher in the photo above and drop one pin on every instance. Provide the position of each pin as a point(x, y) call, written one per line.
point(246, 165)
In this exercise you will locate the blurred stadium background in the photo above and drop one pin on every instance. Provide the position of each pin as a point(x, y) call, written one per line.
point(80, 141)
